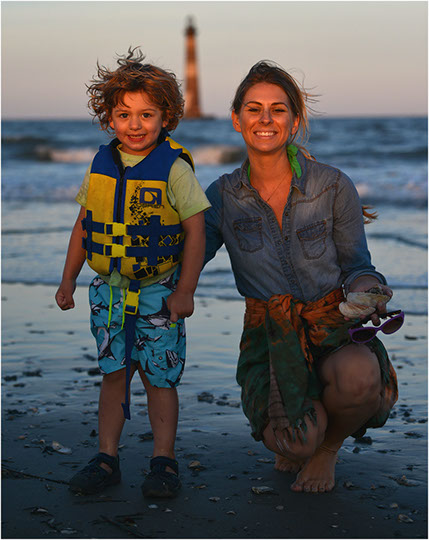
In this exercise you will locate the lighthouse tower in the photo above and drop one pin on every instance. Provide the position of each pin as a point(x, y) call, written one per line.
point(192, 101)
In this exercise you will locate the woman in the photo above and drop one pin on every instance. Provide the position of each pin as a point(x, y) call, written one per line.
point(294, 231)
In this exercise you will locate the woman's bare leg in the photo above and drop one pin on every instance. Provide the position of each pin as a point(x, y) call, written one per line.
point(290, 456)
point(351, 395)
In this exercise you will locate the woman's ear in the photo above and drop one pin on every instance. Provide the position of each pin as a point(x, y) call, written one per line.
point(295, 125)
point(235, 122)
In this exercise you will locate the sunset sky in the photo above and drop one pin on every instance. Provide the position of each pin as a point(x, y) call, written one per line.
point(361, 58)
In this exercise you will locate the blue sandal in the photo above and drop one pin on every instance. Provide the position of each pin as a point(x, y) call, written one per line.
point(93, 478)
point(159, 482)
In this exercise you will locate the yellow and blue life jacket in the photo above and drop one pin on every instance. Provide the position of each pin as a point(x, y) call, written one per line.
point(129, 222)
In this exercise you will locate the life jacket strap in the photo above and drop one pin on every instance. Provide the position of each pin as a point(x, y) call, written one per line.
point(127, 229)
point(127, 252)
point(154, 230)
point(131, 302)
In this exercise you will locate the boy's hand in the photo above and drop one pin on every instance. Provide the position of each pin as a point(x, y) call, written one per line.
point(64, 295)
point(180, 305)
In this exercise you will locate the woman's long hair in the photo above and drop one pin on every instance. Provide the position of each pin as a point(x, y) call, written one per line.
point(266, 71)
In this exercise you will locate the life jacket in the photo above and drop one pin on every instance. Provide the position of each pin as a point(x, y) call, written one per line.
point(129, 222)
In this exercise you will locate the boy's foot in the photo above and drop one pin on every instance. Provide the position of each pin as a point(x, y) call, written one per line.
point(160, 482)
point(102, 471)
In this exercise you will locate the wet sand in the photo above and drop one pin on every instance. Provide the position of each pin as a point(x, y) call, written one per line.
point(49, 395)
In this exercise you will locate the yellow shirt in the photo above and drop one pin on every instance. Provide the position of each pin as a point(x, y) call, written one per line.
point(184, 193)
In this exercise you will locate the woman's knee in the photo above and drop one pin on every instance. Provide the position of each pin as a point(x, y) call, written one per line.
point(357, 375)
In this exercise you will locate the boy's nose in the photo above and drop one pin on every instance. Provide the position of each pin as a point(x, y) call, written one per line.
point(135, 122)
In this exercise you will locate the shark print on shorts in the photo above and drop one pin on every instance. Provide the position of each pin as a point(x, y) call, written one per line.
point(159, 346)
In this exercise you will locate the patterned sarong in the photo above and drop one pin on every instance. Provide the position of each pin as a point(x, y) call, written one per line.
point(281, 341)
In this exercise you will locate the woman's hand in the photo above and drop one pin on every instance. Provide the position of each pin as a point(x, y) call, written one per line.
point(363, 284)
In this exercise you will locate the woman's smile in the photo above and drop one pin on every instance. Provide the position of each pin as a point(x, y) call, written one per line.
point(265, 119)
point(265, 133)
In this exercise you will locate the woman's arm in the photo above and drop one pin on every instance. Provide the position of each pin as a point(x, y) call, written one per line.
point(349, 235)
point(352, 249)
point(213, 218)
point(181, 301)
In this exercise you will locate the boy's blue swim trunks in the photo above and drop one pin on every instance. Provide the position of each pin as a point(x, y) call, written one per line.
point(159, 348)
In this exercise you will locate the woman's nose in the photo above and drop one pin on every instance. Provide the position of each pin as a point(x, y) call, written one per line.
point(265, 117)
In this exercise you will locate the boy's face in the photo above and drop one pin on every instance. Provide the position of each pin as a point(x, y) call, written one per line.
point(137, 122)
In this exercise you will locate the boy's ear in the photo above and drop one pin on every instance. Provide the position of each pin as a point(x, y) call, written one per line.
point(111, 123)
point(235, 122)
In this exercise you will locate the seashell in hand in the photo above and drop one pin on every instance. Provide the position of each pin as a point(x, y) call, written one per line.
point(353, 311)
point(360, 304)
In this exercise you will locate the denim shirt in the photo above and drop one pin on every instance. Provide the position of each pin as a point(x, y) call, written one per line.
point(320, 247)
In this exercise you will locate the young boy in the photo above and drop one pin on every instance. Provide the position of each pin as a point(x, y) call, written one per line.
point(141, 228)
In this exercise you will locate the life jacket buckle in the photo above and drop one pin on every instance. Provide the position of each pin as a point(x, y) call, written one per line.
point(115, 229)
point(132, 302)
point(114, 250)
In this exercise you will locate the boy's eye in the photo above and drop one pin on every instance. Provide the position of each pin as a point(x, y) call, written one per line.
point(123, 115)
point(146, 115)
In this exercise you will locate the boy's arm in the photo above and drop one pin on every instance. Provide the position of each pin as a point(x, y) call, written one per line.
point(181, 301)
point(74, 262)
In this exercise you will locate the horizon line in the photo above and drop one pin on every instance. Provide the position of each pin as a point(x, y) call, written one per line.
point(215, 117)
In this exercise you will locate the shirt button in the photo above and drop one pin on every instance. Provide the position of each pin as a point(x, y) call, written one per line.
point(286, 237)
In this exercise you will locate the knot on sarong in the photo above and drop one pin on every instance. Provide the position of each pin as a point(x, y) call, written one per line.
point(294, 330)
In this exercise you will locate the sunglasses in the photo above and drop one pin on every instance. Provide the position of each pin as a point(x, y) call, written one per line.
point(364, 334)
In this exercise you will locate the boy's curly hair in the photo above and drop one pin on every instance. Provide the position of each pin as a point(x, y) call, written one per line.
point(108, 88)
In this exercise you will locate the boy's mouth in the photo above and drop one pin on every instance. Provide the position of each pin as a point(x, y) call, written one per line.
point(136, 137)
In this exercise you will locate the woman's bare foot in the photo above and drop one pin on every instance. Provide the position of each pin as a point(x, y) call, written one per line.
point(284, 464)
point(318, 474)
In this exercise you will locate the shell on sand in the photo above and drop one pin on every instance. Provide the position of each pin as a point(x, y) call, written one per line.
point(360, 304)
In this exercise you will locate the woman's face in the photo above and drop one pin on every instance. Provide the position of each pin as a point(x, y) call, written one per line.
point(265, 120)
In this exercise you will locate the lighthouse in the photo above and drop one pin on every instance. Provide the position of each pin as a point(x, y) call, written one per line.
point(192, 100)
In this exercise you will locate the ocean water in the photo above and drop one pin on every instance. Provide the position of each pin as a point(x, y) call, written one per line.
point(43, 164)
point(44, 161)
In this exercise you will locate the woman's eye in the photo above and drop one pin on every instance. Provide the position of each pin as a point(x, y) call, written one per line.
point(280, 110)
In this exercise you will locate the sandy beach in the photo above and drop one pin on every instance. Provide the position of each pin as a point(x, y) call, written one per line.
point(230, 489)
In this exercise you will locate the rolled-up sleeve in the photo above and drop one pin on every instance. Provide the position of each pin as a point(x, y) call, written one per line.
point(349, 235)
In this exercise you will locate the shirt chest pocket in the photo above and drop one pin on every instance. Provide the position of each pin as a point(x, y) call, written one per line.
point(248, 232)
point(312, 239)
